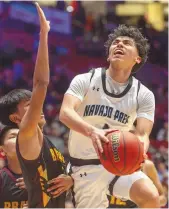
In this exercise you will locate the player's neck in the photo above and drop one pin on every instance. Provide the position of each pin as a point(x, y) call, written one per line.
point(118, 74)
point(13, 165)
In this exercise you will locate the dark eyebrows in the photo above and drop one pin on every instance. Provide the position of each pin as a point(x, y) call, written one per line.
point(128, 40)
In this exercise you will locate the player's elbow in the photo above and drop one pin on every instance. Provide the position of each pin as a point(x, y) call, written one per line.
point(63, 115)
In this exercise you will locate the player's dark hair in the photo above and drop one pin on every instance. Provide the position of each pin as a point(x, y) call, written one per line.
point(3, 133)
point(140, 41)
point(9, 104)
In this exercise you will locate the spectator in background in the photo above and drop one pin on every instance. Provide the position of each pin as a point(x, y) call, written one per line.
point(78, 19)
point(9, 81)
point(162, 171)
point(160, 94)
point(17, 70)
point(55, 135)
point(1, 79)
point(163, 132)
point(60, 5)
point(89, 26)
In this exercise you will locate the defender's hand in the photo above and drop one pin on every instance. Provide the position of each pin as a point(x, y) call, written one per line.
point(44, 24)
point(60, 184)
point(20, 183)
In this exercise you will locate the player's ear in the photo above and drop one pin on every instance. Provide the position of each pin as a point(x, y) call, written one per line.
point(2, 151)
point(14, 118)
point(138, 59)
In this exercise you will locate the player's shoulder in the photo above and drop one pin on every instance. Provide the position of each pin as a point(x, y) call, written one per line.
point(88, 75)
point(143, 89)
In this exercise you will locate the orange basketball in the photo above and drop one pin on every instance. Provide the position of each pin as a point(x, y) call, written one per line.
point(123, 154)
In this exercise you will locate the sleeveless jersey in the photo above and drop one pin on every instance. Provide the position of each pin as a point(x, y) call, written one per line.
point(37, 173)
point(11, 196)
point(100, 107)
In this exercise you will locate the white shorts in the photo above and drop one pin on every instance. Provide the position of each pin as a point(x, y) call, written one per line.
point(91, 186)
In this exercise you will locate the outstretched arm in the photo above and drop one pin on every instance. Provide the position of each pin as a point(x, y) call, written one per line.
point(28, 139)
point(30, 120)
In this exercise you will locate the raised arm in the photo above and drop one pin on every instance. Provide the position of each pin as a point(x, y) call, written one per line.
point(29, 123)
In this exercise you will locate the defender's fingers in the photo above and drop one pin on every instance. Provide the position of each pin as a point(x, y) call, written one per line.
point(40, 12)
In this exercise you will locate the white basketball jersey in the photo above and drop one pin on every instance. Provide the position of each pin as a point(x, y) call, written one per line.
point(102, 109)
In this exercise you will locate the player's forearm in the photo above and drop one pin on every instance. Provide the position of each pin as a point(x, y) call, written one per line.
point(144, 138)
point(41, 74)
point(73, 121)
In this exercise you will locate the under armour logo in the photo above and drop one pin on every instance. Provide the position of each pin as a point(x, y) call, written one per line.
point(94, 88)
point(85, 174)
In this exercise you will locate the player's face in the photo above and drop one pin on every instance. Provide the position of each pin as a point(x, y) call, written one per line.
point(22, 108)
point(123, 51)
point(9, 146)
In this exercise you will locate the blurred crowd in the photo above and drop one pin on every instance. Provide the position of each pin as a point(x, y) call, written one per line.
point(94, 31)
point(89, 34)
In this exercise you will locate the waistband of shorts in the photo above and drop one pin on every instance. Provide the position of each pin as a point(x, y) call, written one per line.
point(82, 162)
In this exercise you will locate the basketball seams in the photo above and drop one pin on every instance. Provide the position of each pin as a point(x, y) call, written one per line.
point(124, 151)
point(138, 156)
point(129, 162)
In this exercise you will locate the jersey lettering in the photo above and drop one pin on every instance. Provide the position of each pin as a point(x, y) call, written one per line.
point(105, 111)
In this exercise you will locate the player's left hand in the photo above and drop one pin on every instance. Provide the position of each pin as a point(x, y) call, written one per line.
point(44, 24)
point(20, 183)
point(60, 184)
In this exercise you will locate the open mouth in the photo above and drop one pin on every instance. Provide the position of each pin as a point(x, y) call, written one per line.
point(118, 52)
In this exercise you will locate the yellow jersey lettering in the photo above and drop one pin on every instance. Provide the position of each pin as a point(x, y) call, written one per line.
point(43, 174)
point(53, 155)
point(23, 203)
point(120, 202)
point(116, 201)
point(7, 205)
point(15, 204)
point(112, 201)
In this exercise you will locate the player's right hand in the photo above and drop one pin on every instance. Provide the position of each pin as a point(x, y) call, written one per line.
point(98, 136)
point(44, 24)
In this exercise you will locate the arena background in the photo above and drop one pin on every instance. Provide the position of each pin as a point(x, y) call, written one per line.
point(76, 44)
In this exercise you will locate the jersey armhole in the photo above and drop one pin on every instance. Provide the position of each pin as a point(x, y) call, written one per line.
point(92, 71)
point(138, 89)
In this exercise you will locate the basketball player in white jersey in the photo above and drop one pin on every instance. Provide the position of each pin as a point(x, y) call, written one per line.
point(113, 99)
